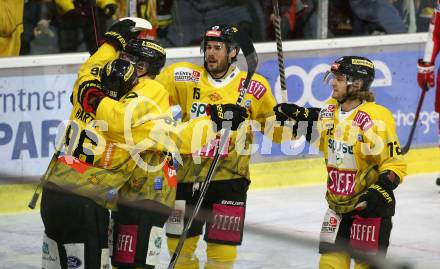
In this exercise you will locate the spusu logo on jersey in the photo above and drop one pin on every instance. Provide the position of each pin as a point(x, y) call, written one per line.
point(256, 88)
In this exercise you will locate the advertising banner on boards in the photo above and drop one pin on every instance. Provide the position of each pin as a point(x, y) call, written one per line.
point(34, 101)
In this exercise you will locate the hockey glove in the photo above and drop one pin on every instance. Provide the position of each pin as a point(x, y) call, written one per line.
point(120, 33)
point(90, 95)
point(285, 111)
point(378, 200)
point(425, 74)
point(227, 116)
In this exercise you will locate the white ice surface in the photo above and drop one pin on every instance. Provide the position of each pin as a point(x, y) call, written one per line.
point(296, 211)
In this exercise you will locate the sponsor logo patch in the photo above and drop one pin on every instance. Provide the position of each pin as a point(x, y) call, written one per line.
point(157, 185)
point(362, 62)
point(342, 182)
point(363, 121)
point(327, 112)
point(247, 103)
point(213, 33)
point(73, 262)
point(197, 110)
point(186, 74)
point(126, 243)
point(255, 88)
point(227, 223)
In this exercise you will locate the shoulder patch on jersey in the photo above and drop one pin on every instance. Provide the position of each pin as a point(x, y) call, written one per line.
point(186, 74)
point(363, 121)
point(256, 88)
point(327, 111)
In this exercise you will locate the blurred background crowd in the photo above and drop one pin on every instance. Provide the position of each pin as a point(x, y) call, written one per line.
point(58, 26)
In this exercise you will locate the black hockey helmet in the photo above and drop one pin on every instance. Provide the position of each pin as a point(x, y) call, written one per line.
point(353, 68)
point(149, 51)
point(117, 78)
point(221, 33)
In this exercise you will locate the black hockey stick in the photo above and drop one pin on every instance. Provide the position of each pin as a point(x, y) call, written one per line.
point(405, 149)
point(248, 49)
point(279, 42)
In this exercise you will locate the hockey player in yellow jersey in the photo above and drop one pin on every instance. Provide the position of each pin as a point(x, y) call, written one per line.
point(99, 170)
point(364, 164)
point(192, 87)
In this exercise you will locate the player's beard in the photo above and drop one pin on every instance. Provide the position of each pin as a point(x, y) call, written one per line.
point(219, 68)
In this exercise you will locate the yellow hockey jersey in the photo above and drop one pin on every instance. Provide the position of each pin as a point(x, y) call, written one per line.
point(192, 88)
point(121, 152)
point(357, 146)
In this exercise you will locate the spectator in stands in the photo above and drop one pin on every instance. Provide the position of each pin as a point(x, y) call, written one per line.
point(75, 17)
point(383, 13)
point(296, 18)
point(194, 16)
point(31, 17)
point(11, 26)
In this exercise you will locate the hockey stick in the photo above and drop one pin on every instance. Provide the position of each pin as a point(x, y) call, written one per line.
point(277, 28)
point(248, 49)
point(405, 149)
point(48, 172)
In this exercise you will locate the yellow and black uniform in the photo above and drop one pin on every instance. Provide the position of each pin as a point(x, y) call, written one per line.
point(192, 88)
point(358, 146)
point(118, 155)
point(11, 27)
point(145, 201)
point(364, 164)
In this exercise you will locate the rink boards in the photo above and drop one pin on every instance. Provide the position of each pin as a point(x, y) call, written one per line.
point(35, 91)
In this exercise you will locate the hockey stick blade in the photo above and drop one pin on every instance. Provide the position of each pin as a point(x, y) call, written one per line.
point(245, 43)
point(407, 146)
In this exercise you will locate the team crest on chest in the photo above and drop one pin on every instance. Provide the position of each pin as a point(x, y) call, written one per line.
point(215, 97)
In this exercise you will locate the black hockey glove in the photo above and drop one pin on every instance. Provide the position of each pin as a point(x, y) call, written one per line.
point(120, 33)
point(227, 116)
point(379, 197)
point(90, 95)
point(285, 111)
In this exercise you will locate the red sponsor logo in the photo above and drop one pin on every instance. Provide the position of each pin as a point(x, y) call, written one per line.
point(364, 234)
point(363, 121)
point(74, 163)
point(126, 244)
point(255, 88)
point(342, 182)
point(331, 108)
point(170, 175)
point(196, 74)
point(214, 33)
point(227, 223)
point(333, 221)
point(210, 149)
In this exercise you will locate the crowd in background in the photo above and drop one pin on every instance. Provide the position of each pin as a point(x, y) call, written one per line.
point(53, 26)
